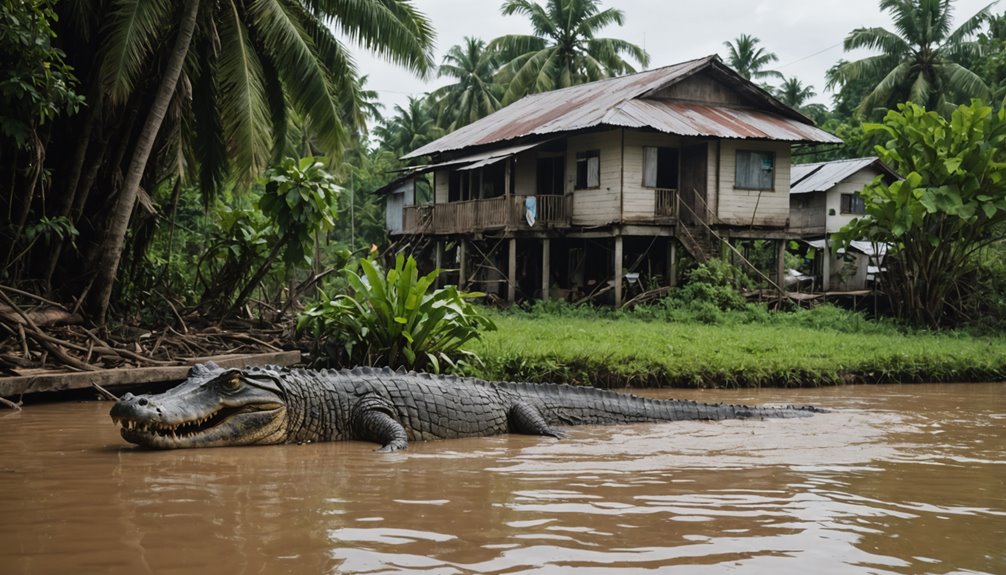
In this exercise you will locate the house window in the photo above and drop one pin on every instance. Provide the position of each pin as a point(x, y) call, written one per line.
point(853, 204)
point(755, 170)
point(588, 169)
point(660, 167)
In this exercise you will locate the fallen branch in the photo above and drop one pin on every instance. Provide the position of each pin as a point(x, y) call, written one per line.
point(105, 392)
point(10, 404)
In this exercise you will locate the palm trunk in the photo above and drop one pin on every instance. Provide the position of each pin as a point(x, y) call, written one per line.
point(114, 241)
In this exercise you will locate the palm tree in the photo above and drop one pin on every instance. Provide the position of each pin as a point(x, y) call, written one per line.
point(411, 127)
point(748, 60)
point(919, 61)
point(244, 70)
point(563, 49)
point(794, 93)
point(476, 93)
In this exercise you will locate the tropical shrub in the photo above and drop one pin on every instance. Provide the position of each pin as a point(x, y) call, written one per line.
point(393, 319)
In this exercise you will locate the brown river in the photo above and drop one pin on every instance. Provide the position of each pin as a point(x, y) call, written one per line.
point(896, 479)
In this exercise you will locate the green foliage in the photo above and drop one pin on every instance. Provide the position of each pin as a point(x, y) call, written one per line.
point(300, 198)
point(950, 205)
point(750, 61)
point(36, 84)
point(920, 60)
point(392, 319)
point(564, 48)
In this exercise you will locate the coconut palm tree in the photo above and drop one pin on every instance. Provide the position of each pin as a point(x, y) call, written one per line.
point(563, 49)
point(794, 93)
point(919, 61)
point(475, 94)
point(410, 127)
point(748, 60)
point(208, 89)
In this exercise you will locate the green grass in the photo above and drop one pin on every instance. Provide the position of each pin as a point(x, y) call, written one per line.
point(808, 348)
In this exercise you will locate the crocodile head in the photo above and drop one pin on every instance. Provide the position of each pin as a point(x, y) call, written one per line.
point(214, 407)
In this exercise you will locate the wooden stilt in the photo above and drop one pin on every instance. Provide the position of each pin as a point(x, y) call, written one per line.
point(618, 271)
point(511, 282)
point(546, 249)
point(826, 266)
point(439, 259)
point(672, 263)
point(780, 265)
point(462, 264)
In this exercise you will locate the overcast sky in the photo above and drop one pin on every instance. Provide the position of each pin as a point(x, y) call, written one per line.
point(807, 35)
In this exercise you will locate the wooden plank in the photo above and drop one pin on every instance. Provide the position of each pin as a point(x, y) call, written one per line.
point(118, 377)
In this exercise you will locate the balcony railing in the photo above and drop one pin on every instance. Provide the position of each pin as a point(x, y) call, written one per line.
point(664, 202)
point(479, 215)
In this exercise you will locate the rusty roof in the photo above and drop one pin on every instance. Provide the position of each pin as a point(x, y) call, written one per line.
point(631, 101)
point(822, 176)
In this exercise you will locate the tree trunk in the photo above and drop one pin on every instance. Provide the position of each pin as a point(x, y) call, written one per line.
point(114, 240)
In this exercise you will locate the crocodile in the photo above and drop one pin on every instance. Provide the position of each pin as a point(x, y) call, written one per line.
point(255, 406)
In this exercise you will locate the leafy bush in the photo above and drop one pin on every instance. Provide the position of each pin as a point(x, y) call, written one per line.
point(392, 319)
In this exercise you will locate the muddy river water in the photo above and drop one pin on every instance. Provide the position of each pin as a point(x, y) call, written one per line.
point(896, 479)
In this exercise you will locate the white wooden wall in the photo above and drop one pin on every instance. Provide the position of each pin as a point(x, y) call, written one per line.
point(601, 205)
point(638, 202)
point(740, 207)
point(852, 184)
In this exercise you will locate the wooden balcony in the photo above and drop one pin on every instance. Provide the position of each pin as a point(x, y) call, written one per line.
point(503, 213)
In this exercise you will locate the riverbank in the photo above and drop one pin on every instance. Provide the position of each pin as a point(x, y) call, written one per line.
point(802, 349)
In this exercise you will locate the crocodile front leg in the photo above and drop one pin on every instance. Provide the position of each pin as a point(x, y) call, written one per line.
point(524, 418)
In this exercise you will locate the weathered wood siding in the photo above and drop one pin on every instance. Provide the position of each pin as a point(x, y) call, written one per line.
point(742, 207)
point(597, 206)
point(807, 213)
point(852, 184)
point(403, 195)
point(703, 89)
point(638, 202)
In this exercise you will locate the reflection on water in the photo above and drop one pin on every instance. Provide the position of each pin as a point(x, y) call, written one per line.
point(905, 479)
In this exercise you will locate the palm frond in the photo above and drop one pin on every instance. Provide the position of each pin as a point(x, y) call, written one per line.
point(302, 71)
point(129, 38)
point(243, 107)
point(393, 29)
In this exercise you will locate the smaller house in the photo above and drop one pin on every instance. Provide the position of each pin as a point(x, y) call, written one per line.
point(824, 197)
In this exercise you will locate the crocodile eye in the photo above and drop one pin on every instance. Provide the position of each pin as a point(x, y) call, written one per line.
point(232, 383)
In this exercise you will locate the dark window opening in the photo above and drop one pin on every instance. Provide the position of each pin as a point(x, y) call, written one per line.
point(853, 204)
point(588, 169)
point(660, 167)
point(550, 175)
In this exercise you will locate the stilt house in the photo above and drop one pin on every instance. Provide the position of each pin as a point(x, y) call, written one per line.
point(824, 197)
point(591, 189)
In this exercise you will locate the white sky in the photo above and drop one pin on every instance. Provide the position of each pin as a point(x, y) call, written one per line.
point(807, 35)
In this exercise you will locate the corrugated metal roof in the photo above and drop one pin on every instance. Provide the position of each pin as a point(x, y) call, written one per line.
point(627, 102)
point(823, 176)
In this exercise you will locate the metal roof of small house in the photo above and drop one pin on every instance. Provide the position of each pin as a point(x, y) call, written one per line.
point(822, 176)
point(633, 101)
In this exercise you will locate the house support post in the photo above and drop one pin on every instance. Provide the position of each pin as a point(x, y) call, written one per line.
point(618, 272)
point(462, 264)
point(546, 248)
point(438, 255)
point(780, 265)
point(511, 280)
point(826, 266)
point(672, 263)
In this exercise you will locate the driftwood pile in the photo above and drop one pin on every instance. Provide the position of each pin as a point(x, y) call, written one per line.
point(44, 338)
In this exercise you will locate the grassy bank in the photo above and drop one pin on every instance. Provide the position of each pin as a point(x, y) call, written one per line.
point(807, 348)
